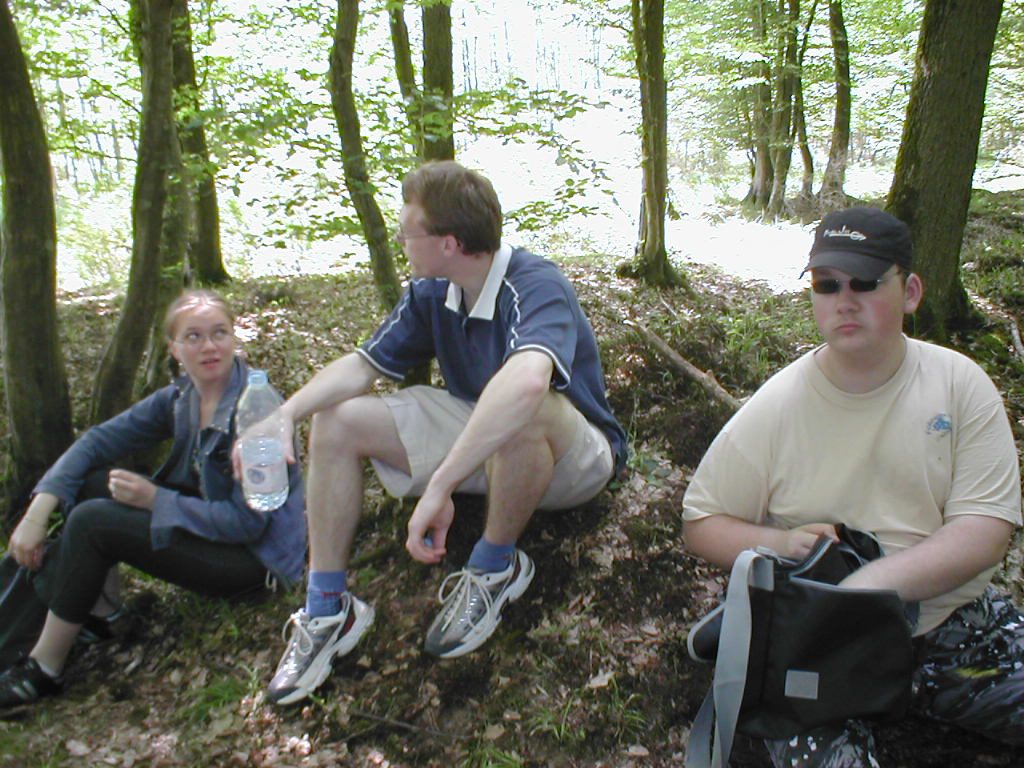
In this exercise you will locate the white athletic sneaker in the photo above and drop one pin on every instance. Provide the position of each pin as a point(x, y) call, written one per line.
point(472, 607)
point(313, 644)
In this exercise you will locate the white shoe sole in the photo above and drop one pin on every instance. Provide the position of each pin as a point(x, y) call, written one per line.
point(476, 639)
point(321, 667)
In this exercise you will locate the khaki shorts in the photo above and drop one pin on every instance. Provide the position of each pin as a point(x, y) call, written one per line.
point(429, 421)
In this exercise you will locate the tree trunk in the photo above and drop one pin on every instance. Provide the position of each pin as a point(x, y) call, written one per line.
point(831, 195)
point(799, 114)
point(931, 187)
point(204, 247)
point(116, 377)
point(438, 88)
point(800, 129)
point(762, 174)
point(38, 407)
point(651, 263)
point(405, 73)
point(782, 112)
point(357, 178)
point(174, 249)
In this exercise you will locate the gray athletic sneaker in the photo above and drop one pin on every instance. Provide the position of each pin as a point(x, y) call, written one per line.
point(471, 609)
point(313, 644)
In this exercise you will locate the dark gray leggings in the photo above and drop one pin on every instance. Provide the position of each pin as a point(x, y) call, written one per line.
point(100, 533)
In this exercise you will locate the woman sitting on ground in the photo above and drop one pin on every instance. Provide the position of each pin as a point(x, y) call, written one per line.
point(189, 525)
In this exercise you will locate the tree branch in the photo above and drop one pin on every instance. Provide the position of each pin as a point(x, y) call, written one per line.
point(1018, 344)
point(706, 380)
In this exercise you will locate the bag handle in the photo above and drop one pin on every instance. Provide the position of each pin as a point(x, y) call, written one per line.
point(720, 711)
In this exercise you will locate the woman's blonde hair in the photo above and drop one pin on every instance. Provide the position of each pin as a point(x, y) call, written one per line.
point(190, 299)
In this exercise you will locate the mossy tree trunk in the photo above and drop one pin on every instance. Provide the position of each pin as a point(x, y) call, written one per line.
point(799, 111)
point(760, 112)
point(205, 257)
point(438, 87)
point(651, 263)
point(115, 382)
point(357, 177)
point(405, 73)
point(786, 79)
point(931, 187)
point(35, 386)
point(832, 195)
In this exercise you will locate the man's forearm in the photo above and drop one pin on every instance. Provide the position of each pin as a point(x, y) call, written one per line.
point(509, 402)
point(945, 560)
point(720, 538)
point(346, 377)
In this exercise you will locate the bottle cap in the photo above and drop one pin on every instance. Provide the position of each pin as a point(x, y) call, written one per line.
point(257, 377)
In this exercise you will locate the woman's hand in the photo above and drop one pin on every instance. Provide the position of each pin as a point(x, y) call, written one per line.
point(131, 489)
point(28, 542)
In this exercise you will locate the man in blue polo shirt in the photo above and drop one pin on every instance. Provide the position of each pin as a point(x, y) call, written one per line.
point(523, 419)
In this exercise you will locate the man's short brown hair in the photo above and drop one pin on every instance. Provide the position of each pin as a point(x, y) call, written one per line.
point(456, 201)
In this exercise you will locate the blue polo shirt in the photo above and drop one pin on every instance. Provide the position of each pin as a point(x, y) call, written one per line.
point(526, 303)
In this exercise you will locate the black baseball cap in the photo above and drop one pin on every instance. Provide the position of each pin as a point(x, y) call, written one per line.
point(863, 242)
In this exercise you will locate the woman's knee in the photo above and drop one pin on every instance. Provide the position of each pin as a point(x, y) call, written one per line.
point(91, 514)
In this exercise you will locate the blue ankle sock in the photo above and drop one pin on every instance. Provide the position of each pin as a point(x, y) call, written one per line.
point(489, 557)
point(323, 592)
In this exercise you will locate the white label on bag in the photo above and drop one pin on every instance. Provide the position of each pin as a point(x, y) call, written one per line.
point(801, 684)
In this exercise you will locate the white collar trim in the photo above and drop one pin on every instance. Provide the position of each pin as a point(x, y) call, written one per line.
point(484, 307)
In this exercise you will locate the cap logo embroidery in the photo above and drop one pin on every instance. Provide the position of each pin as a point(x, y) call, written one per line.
point(845, 232)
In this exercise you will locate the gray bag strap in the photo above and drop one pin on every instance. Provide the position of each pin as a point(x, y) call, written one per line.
point(714, 727)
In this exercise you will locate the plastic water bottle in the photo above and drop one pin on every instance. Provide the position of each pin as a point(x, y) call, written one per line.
point(264, 472)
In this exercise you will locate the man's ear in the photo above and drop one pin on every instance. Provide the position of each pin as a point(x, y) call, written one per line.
point(913, 292)
point(452, 246)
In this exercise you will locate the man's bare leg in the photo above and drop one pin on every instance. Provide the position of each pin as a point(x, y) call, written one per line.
point(518, 475)
point(334, 620)
point(340, 441)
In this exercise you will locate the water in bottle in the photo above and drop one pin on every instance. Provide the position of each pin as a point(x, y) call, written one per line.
point(264, 472)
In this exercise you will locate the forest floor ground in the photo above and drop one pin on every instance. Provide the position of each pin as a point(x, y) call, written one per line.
point(589, 668)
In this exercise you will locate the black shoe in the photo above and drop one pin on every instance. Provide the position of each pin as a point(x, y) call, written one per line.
point(102, 629)
point(25, 682)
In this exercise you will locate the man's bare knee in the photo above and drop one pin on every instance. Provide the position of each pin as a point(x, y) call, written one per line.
point(337, 428)
point(361, 427)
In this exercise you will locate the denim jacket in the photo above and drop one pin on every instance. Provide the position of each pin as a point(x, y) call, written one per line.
point(277, 538)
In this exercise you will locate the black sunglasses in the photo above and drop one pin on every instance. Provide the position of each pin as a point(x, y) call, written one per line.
point(832, 285)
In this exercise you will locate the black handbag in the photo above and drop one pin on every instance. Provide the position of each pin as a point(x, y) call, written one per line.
point(22, 613)
point(793, 652)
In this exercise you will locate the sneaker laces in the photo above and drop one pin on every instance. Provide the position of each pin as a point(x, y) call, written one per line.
point(304, 639)
point(463, 593)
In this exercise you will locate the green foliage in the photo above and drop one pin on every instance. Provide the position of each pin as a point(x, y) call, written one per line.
point(743, 335)
point(206, 702)
point(1004, 111)
point(993, 269)
point(489, 756)
point(96, 242)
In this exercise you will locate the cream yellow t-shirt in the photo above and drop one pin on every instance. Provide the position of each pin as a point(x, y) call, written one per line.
point(932, 443)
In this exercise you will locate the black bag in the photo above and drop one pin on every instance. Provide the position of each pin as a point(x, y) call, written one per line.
point(22, 613)
point(793, 652)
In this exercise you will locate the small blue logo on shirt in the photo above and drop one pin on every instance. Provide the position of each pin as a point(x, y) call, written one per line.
point(940, 424)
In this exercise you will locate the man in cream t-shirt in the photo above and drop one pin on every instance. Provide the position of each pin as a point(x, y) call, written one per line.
point(891, 435)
